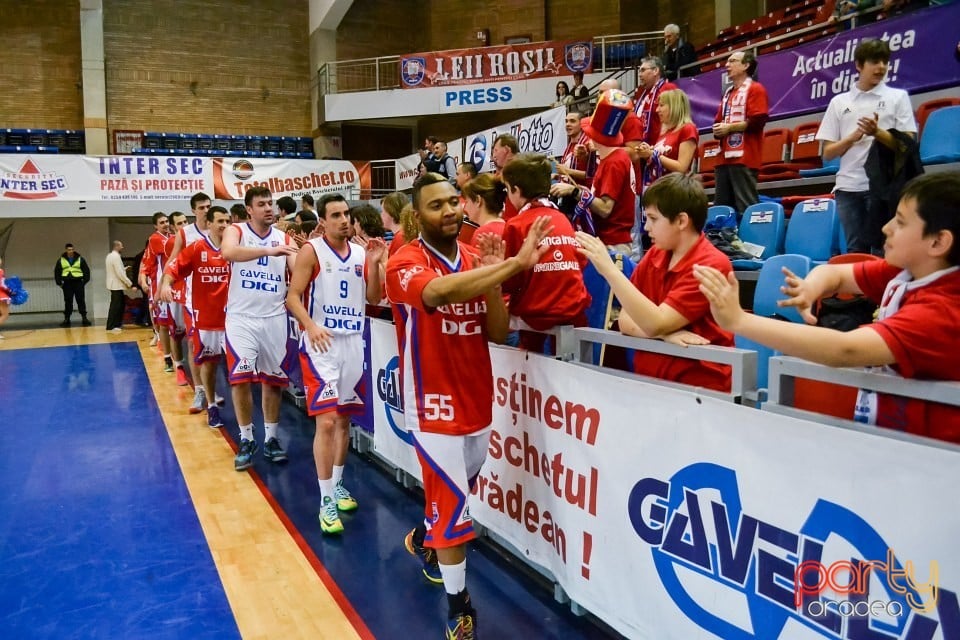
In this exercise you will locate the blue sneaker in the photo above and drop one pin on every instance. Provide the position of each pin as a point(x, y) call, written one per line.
point(213, 417)
point(273, 452)
point(427, 556)
point(244, 457)
point(462, 627)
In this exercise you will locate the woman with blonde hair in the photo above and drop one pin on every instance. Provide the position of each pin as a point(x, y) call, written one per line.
point(676, 148)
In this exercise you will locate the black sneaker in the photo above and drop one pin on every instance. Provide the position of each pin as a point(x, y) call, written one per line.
point(273, 452)
point(86, 323)
point(462, 627)
point(427, 558)
point(65, 324)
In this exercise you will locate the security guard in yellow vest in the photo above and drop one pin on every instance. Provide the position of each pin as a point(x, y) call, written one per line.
point(72, 274)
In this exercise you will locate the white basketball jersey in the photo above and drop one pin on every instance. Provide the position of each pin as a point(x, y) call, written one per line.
point(188, 235)
point(336, 297)
point(258, 287)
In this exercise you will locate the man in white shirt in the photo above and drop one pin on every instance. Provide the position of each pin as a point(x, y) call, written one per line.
point(852, 122)
point(117, 283)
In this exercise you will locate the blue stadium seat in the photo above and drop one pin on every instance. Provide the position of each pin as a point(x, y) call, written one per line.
point(765, 304)
point(829, 168)
point(289, 144)
point(940, 143)
point(716, 211)
point(812, 231)
point(763, 224)
point(600, 296)
point(305, 145)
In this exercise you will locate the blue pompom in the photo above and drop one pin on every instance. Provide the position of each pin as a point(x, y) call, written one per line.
point(18, 295)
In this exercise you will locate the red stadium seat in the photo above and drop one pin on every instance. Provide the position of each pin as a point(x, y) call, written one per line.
point(776, 143)
point(709, 153)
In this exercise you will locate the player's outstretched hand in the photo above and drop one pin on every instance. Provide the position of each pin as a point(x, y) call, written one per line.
point(532, 250)
point(376, 249)
point(282, 250)
point(492, 249)
point(723, 292)
point(800, 296)
point(593, 249)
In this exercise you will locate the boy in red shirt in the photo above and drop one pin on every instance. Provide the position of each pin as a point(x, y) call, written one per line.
point(662, 300)
point(916, 332)
point(553, 292)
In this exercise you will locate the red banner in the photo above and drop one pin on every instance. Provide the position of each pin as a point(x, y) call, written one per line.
point(495, 64)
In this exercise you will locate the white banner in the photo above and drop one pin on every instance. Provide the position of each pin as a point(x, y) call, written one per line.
point(405, 171)
point(118, 178)
point(390, 438)
point(540, 133)
point(678, 516)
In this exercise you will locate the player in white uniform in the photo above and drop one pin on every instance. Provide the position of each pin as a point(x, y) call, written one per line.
point(256, 325)
point(333, 280)
point(199, 205)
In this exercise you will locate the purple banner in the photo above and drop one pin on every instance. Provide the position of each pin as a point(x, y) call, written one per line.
point(803, 79)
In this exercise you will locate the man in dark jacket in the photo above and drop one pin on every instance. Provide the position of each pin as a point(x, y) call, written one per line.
point(72, 274)
point(676, 53)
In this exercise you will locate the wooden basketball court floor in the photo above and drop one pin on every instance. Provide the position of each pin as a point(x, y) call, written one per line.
point(123, 518)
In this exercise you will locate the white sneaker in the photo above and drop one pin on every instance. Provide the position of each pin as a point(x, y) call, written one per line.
point(199, 401)
point(116, 330)
point(153, 340)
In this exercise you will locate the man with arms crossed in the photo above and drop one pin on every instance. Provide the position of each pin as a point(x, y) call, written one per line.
point(256, 322)
point(203, 258)
point(449, 304)
point(333, 280)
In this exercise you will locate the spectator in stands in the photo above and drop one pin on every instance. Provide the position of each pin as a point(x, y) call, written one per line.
point(430, 162)
point(391, 206)
point(650, 84)
point(505, 146)
point(446, 165)
point(287, 208)
point(564, 97)
point(553, 293)
point(466, 171)
point(307, 202)
point(367, 223)
point(611, 200)
point(72, 273)
point(576, 161)
point(869, 111)
point(662, 300)
point(739, 127)
point(676, 53)
point(483, 199)
point(676, 147)
point(238, 213)
point(579, 91)
point(915, 334)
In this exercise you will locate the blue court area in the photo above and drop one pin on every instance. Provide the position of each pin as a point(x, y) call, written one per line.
point(380, 579)
point(99, 537)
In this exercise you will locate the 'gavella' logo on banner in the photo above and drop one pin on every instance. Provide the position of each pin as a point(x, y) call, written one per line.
point(833, 573)
point(30, 183)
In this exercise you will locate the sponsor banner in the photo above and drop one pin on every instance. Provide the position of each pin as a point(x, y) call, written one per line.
point(390, 437)
point(495, 64)
point(405, 171)
point(119, 178)
point(540, 133)
point(234, 177)
point(804, 79)
point(698, 518)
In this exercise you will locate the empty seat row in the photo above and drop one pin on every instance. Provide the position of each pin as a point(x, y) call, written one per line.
point(42, 141)
point(187, 141)
point(232, 153)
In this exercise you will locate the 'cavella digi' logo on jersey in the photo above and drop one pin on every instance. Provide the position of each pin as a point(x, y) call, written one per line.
point(697, 529)
point(30, 183)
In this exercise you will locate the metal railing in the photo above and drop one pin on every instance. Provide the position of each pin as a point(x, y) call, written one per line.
point(381, 73)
